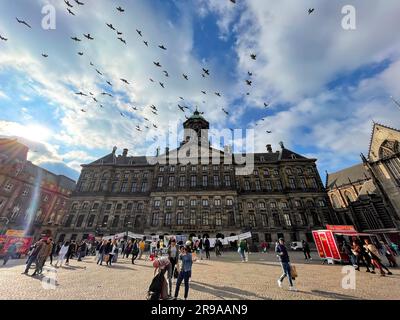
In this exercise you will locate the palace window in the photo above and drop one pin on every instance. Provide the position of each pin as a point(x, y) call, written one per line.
point(264, 220)
point(287, 220)
point(68, 222)
point(171, 182)
point(292, 183)
point(272, 205)
point(118, 207)
point(124, 187)
point(218, 219)
point(278, 185)
point(182, 181)
point(154, 221)
point(194, 168)
point(192, 218)
point(252, 220)
point(205, 202)
point(266, 172)
point(193, 181)
point(216, 181)
point(114, 187)
point(215, 168)
point(167, 219)
point(246, 185)
point(229, 202)
point(217, 202)
point(144, 186)
point(205, 168)
point(299, 171)
point(172, 169)
point(205, 181)
point(268, 185)
point(157, 203)
point(179, 218)
point(302, 183)
point(181, 203)
point(134, 186)
point(261, 205)
point(258, 186)
point(161, 169)
point(91, 221)
point(129, 207)
point(227, 181)
point(168, 203)
point(205, 219)
point(193, 203)
point(183, 168)
point(115, 222)
point(159, 182)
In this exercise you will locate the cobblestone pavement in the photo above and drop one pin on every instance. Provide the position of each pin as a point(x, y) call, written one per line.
point(219, 278)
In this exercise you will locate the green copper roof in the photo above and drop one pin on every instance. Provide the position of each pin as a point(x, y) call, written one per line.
point(197, 115)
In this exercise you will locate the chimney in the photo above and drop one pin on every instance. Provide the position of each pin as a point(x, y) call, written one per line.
point(114, 150)
point(269, 148)
point(282, 145)
point(125, 153)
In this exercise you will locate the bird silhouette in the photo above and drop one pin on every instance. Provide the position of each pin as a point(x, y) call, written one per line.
point(134, 108)
point(68, 4)
point(122, 40)
point(166, 73)
point(83, 110)
point(311, 10)
point(107, 94)
point(226, 112)
point(268, 131)
point(217, 94)
point(151, 80)
point(120, 9)
point(94, 99)
point(88, 36)
point(24, 23)
point(203, 92)
point(185, 76)
point(146, 43)
point(125, 81)
point(99, 72)
point(70, 12)
point(153, 107)
point(45, 55)
point(162, 84)
point(79, 3)
point(76, 39)
point(110, 26)
point(162, 47)
point(154, 112)
point(119, 33)
point(139, 32)
point(157, 64)
point(249, 73)
point(109, 83)
point(91, 93)
point(233, 1)
point(80, 93)
point(2, 38)
point(207, 72)
point(180, 107)
point(266, 104)
point(248, 82)
point(91, 63)
point(181, 98)
point(80, 53)
point(253, 56)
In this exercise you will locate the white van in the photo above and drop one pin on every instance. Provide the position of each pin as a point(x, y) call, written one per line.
point(296, 246)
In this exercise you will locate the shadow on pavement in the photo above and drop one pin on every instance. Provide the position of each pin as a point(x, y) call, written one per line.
point(225, 292)
point(332, 295)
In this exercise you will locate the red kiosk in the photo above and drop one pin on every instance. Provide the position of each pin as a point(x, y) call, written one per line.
point(328, 241)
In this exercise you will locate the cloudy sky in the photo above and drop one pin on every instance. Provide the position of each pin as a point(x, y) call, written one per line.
point(324, 84)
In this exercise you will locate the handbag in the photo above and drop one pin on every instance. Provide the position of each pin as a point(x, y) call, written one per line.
point(293, 272)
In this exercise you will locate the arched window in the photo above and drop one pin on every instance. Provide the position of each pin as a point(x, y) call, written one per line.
point(389, 148)
point(335, 201)
point(91, 220)
point(252, 220)
point(69, 220)
point(348, 196)
point(79, 221)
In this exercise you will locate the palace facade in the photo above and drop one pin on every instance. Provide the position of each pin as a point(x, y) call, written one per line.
point(196, 190)
point(31, 198)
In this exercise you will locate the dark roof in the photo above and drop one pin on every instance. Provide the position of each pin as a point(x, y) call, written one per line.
point(341, 178)
point(287, 154)
point(121, 160)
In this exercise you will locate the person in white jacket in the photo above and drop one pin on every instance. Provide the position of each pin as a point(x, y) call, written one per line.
point(61, 255)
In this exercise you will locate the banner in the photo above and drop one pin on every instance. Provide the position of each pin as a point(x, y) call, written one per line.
point(22, 243)
point(246, 235)
point(15, 233)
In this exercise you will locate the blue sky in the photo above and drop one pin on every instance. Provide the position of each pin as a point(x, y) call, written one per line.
point(324, 84)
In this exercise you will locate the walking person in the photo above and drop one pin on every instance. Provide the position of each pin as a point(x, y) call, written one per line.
point(135, 251)
point(113, 247)
point(373, 252)
point(390, 256)
point(346, 248)
point(200, 247)
point(44, 252)
point(142, 246)
point(62, 254)
point(98, 245)
point(71, 251)
point(53, 252)
point(186, 271)
point(33, 255)
point(102, 252)
point(173, 258)
point(242, 249)
point(306, 250)
point(127, 250)
point(82, 250)
point(207, 248)
point(283, 256)
point(10, 254)
point(361, 256)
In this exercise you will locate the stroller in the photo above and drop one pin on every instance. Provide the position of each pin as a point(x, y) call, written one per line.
point(158, 289)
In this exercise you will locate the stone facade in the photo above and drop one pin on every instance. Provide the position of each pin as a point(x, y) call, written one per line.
point(31, 198)
point(282, 195)
point(367, 195)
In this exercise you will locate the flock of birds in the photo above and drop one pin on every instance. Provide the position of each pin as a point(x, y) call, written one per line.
point(119, 35)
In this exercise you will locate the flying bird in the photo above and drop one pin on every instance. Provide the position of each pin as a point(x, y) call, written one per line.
point(154, 112)
point(266, 104)
point(23, 22)
point(166, 73)
point(226, 112)
point(249, 73)
point(88, 36)
point(139, 32)
point(70, 12)
point(162, 84)
point(204, 92)
point(79, 3)
point(99, 72)
point(110, 26)
point(151, 80)
point(80, 53)
point(91, 63)
point(125, 81)
point(206, 71)
point(90, 93)
point(181, 98)
point(2, 38)
point(76, 39)
point(217, 94)
point(45, 55)
point(68, 4)
point(120, 9)
point(180, 107)
point(94, 99)
point(162, 47)
point(80, 93)
point(146, 43)
point(109, 83)
point(185, 76)
point(233, 1)
point(268, 131)
point(119, 33)
point(253, 56)
point(157, 64)
point(249, 82)
point(134, 108)
point(107, 94)
point(311, 10)
point(122, 40)
point(83, 110)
